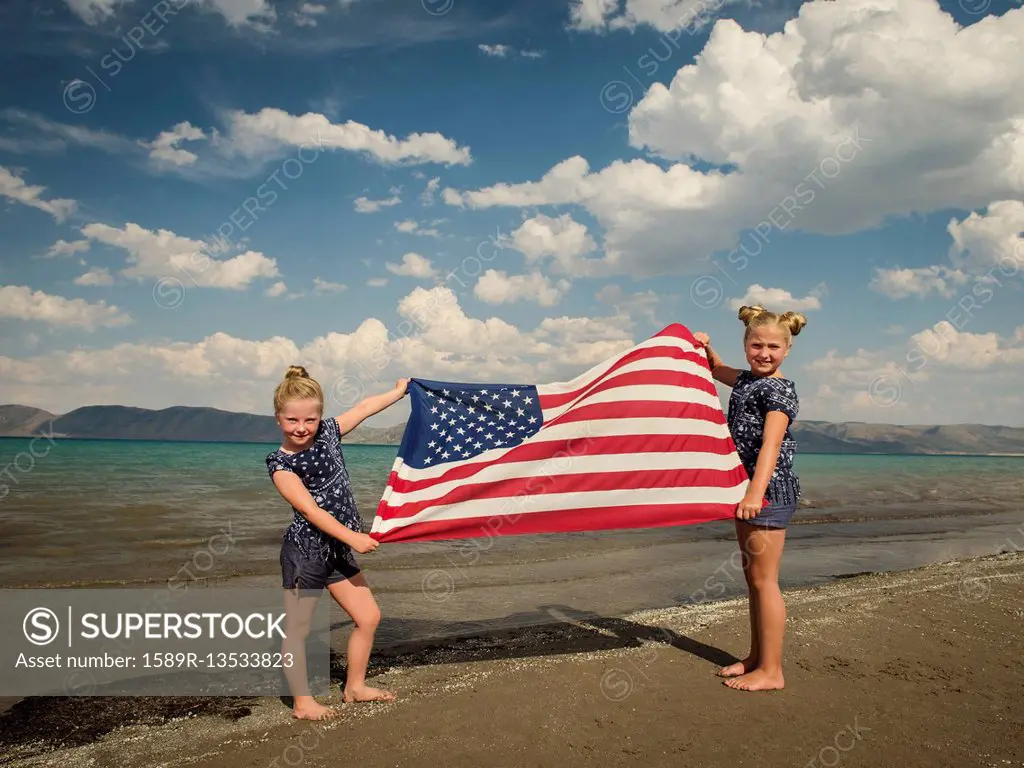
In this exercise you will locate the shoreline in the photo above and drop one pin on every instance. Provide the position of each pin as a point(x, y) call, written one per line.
point(905, 651)
point(994, 527)
point(371, 444)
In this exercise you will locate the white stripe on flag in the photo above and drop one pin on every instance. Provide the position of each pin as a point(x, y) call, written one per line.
point(552, 502)
point(668, 364)
point(617, 462)
point(663, 364)
point(642, 392)
point(575, 430)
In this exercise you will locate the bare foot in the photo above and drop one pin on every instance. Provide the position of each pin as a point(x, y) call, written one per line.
point(367, 694)
point(749, 664)
point(758, 680)
point(313, 711)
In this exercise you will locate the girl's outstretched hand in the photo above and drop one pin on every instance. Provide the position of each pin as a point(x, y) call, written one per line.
point(364, 543)
point(749, 508)
point(402, 386)
point(702, 338)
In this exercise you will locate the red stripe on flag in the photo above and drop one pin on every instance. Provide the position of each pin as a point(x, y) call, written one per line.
point(649, 378)
point(639, 409)
point(577, 446)
point(674, 353)
point(562, 521)
point(583, 482)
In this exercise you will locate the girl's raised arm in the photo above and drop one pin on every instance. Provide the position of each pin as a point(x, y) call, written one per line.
point(355, 416)
point(719, 370)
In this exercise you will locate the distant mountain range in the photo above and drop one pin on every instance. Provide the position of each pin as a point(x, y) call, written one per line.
point(177, 423)
point(210, 425)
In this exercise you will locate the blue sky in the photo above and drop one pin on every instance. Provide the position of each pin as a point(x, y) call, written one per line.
point(617, 153)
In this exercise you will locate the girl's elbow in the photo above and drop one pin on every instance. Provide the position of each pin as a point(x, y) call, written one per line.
point(361, 411)
point(309, 511)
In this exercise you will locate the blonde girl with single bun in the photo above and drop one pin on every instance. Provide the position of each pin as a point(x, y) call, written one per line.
point(762, 409)
point(309, 471)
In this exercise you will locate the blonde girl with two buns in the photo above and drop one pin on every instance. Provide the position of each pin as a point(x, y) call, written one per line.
point(762, 409)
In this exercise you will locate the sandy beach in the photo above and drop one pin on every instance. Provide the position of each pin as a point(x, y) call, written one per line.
point(912, 668)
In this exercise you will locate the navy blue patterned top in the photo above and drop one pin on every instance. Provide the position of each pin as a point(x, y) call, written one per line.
point(752, 398)
point(321, 467)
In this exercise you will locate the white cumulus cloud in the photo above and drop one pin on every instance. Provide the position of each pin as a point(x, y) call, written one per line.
point(366, 205)
point(164, 254)
point(97, 276)
point(662, 15)
point(413, 265)
point(164, 148)
point(14, 188)
point(22, 303)
point(325, 286)
point(775, 300)
point(987, 250)
point(563, 239)
point(497, 287)
point(812, 127)
point(271, 129)
point(64, 248)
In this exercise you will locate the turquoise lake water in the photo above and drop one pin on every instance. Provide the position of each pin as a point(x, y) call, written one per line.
point(116, 509)
point(102, 513)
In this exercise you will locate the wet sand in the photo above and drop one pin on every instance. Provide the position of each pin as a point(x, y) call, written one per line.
point(912, 668)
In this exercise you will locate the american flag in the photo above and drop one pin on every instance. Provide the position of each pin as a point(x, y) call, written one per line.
point(638, 441)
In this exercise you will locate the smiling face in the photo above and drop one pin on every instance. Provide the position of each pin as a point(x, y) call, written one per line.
point(766, 347)
point(299, 421)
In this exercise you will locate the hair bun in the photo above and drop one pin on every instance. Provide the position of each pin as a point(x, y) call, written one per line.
point(296, 372)
point(747, 314)
point(795, 321)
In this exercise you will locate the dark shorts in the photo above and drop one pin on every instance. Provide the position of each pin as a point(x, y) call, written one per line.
point(773, 516)
point(305, 573)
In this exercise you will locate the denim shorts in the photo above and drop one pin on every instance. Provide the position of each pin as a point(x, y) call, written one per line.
point(308, 573)
point(773, 516)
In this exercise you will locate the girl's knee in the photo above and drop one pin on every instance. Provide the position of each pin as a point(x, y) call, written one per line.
point(368, 619)
point(762, 581)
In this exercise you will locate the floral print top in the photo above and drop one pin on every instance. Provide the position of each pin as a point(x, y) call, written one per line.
point(751, 400)
point(321, 467)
